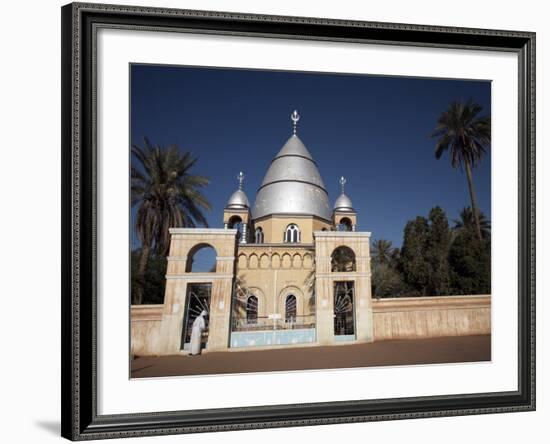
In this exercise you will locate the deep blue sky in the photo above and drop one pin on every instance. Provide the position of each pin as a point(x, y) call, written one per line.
point(374, 130)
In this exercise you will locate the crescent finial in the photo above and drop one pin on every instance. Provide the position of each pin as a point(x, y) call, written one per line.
point(295, 117)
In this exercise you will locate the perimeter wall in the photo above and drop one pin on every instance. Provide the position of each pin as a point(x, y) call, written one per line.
point(423, 317)
point(145, 323)
point(393, 318)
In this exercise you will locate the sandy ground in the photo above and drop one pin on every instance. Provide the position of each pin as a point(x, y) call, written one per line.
point(400, 352)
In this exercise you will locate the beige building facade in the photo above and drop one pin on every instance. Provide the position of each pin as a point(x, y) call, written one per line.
point(291, 270)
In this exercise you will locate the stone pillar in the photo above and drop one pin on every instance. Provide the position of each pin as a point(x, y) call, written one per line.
point(172, 317)
point(363, 310)
point(324, 307)
point(324, 311)
point(220, 315)
point(244, 233)
point(363, 296)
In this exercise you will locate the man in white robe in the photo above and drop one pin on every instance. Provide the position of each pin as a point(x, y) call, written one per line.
point(196, 334)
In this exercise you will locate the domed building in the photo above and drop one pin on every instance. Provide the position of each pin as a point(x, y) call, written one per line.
point(291, 269)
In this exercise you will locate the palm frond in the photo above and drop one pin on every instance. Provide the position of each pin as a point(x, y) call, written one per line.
point(166, 192)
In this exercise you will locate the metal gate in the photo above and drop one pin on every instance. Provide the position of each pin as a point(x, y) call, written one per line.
point(344, 312)
point(197, 300)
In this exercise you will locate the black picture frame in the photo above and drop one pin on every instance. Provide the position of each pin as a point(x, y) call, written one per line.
point(79, 385)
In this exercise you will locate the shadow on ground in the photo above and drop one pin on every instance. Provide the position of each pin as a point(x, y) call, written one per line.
point(53, 427)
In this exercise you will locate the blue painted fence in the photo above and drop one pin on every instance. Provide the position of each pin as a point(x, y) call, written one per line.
point(272, 337)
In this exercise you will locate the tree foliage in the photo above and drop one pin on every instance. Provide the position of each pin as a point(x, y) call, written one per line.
point(166, 195)
point(387, 281)
point(343, 259)
point(153, 281)
point(414, 264)
point(467, 222)
point(433, 262)
point(470, 263)
point(437, 252)
point(382, 251)
point(466, 135)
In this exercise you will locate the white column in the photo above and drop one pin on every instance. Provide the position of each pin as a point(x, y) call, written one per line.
point(244, 233)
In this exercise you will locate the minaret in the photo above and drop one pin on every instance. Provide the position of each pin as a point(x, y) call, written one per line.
point(344, 216)
point(237, 211)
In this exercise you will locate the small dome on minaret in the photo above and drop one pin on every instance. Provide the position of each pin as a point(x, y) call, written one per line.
point(343, 203)
point(238, 199)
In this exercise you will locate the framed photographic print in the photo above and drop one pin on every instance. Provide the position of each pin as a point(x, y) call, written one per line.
point(279, 221)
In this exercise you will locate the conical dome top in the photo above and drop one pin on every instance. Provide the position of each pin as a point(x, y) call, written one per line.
point(238, 199)
point(294, 147)
point(293, 163)
point(343, 203)
point(292, 184)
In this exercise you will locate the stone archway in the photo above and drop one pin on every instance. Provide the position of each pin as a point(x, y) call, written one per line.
point(345, 224)
point(354, 270)
point(343, 259)
point(185, 242)
point(191, 264)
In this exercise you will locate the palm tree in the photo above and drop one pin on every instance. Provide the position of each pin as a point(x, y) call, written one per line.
point(343, 259)
point(240, 299)
point(466, 135)
point(309, 284)
point(467, 221)
point(382, 251)
point(167, 195)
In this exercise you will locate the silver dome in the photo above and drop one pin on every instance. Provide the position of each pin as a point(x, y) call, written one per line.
point(292, 185)
point(238, 200)
point(343, 203)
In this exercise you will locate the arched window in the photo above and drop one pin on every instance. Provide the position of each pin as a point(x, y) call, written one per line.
point(292, 233)
point(259, 235)
point(236, 222)
point(201, 259)
point(252, 310)
point(290, 308)
point(345, 224)
point(343, 259)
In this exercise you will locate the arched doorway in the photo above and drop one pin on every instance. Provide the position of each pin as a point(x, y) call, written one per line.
point(197, 301)
point(290, 309)
point(345, 224)
point(200, 259)
point(236, 222)
point(344, 310)
point(252, 310)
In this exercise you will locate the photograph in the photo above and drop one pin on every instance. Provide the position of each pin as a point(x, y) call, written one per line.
point(270, 222)
point(291, 220)
point(295, 218)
